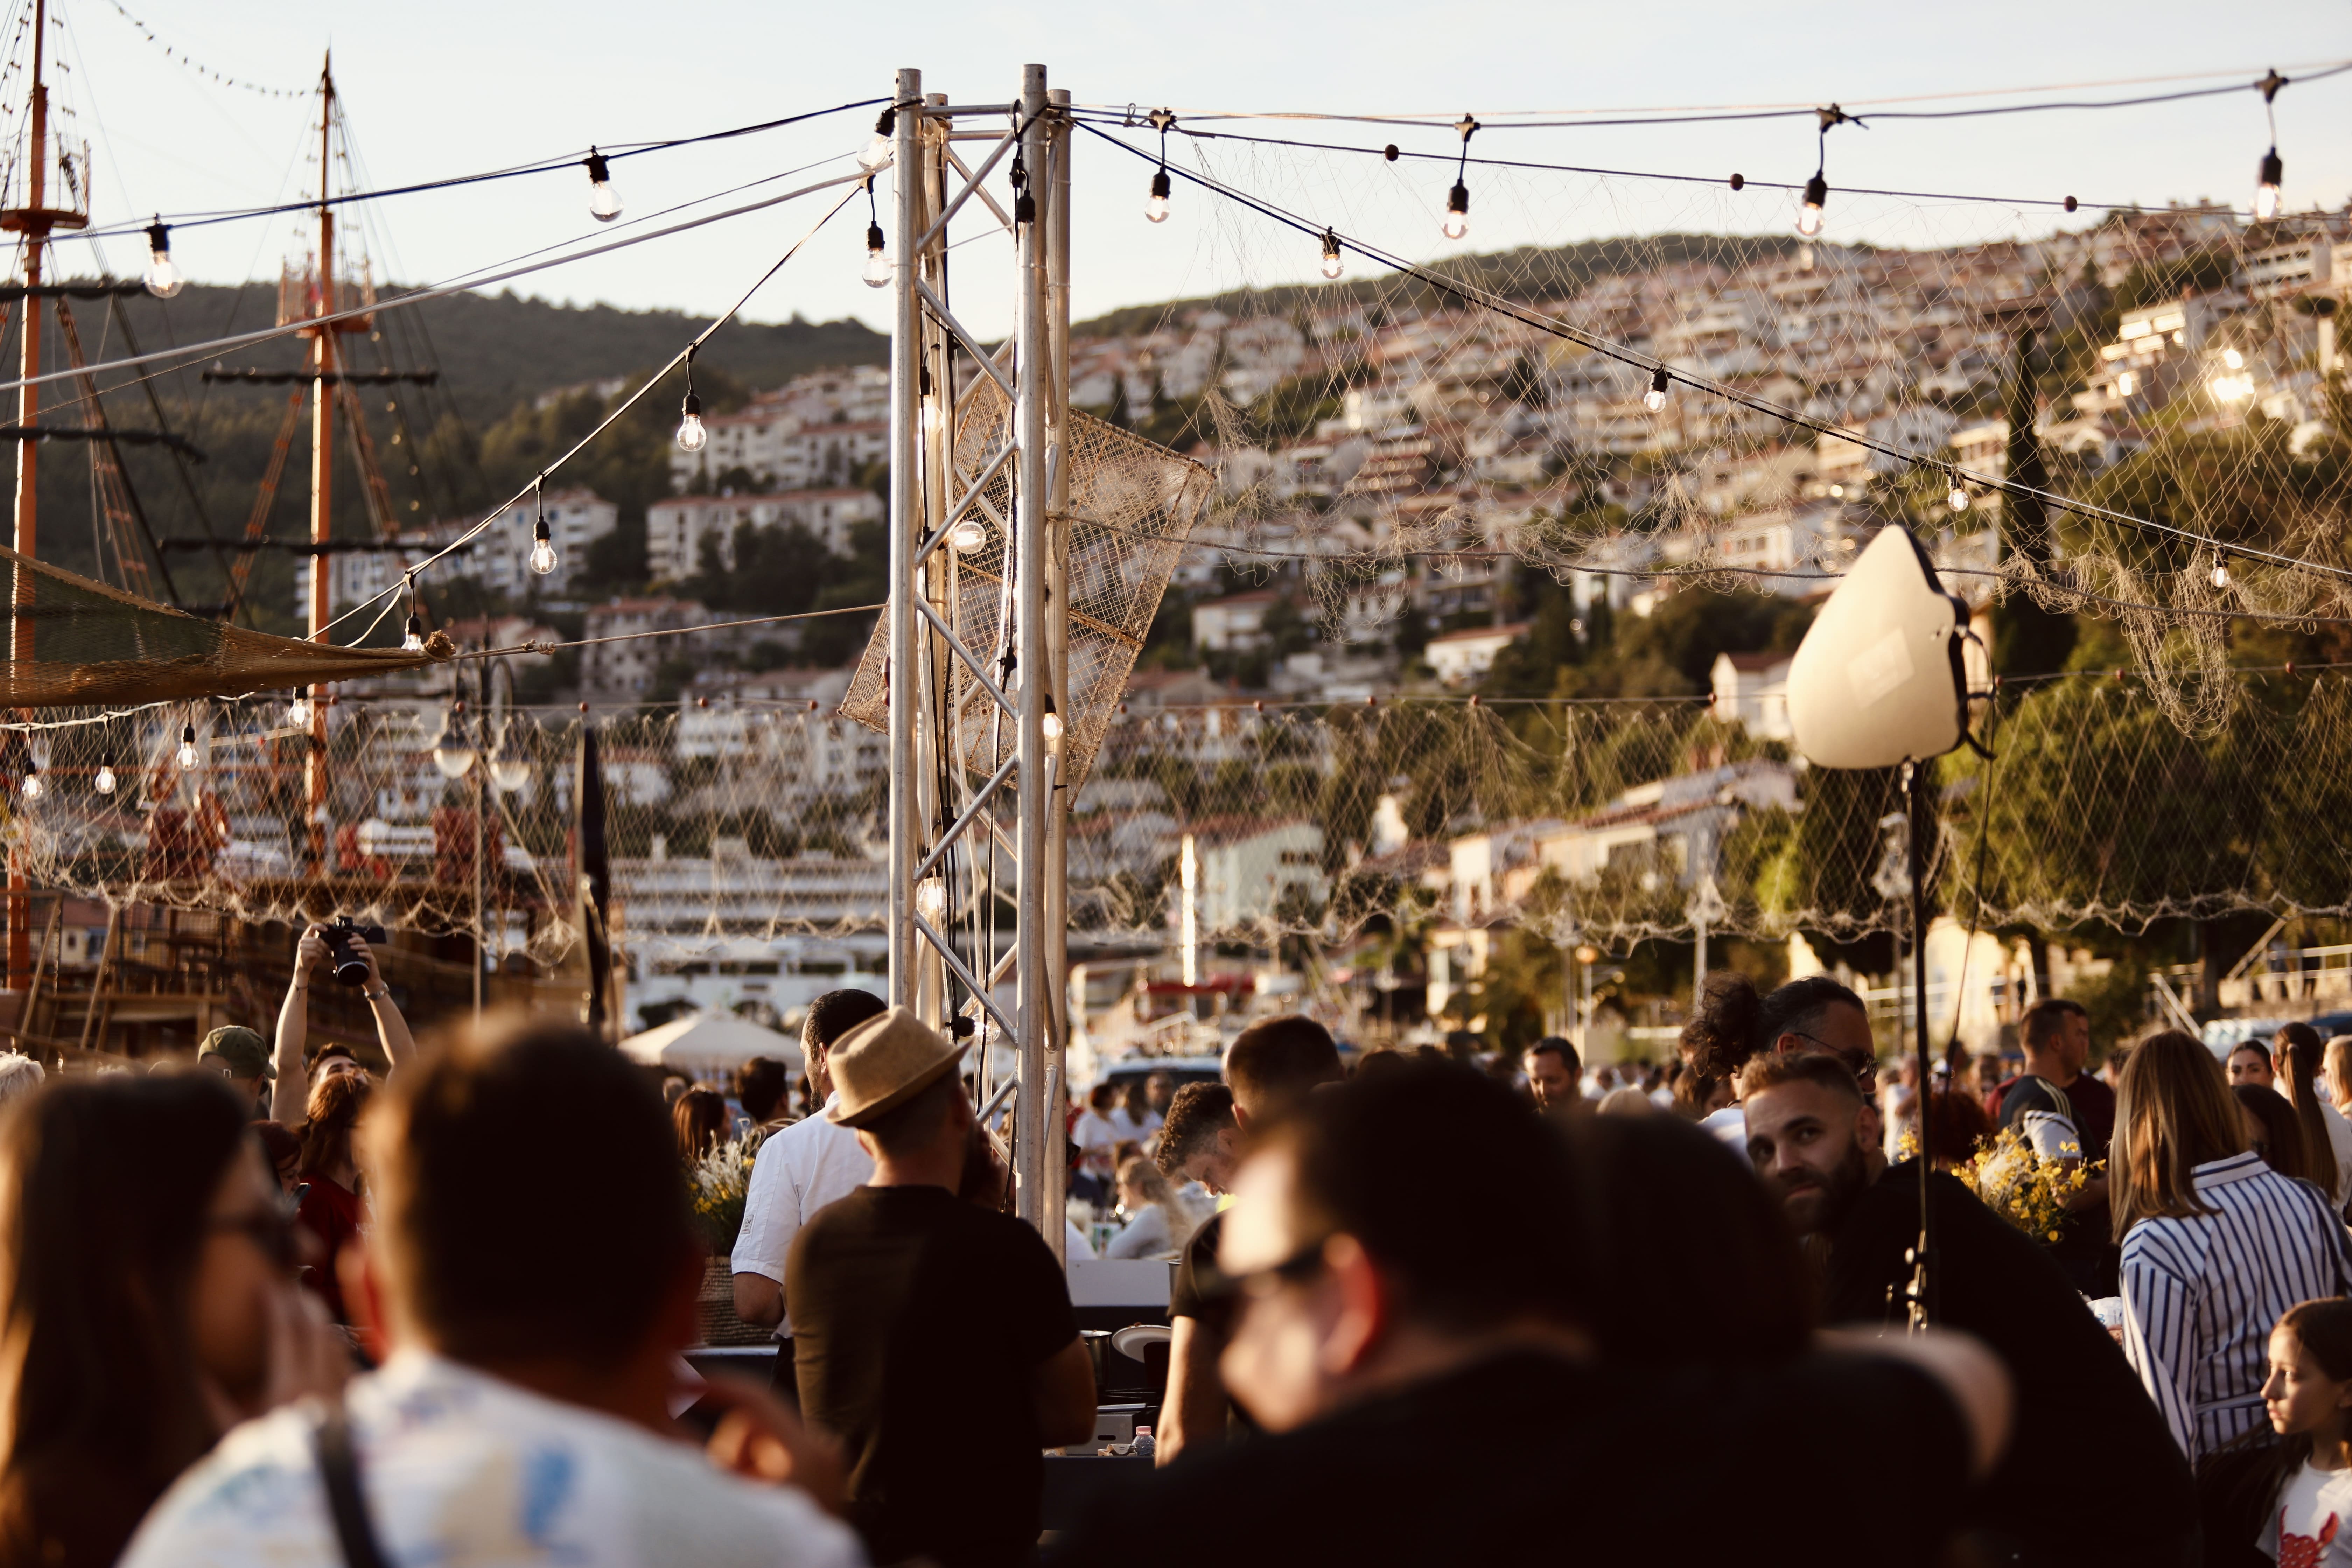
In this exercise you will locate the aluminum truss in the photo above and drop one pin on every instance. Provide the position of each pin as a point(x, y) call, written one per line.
point(958, 819)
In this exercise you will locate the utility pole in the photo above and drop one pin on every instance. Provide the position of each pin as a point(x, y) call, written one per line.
point(34, 220)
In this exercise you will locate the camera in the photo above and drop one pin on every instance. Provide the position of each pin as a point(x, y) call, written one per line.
point(351, 969)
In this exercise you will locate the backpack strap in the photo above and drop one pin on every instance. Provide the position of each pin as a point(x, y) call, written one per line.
point(339, 1469)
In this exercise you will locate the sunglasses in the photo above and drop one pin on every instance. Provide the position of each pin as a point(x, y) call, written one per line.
point(271, 1229)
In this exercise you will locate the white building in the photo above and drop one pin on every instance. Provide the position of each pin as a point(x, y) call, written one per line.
point(676, 525)
point(1463, 656)
point(1246, 866)
point(627, 669)
point(1751, 689)
point(745, 715)
point(1233, 624)
point(497, 558)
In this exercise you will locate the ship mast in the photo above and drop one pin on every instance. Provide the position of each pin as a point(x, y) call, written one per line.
point(34, 220)
point(323, 455)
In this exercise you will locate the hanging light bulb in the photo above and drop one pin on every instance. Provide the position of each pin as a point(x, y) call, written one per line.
point(1332, 265)
point(879, 270)
point(691, 436)
point(1957, 497)
point(967, 535)
point(2233, 358)
point(1655, 398)
point(31, 788)
point(413, 639)
point(164, 277)
point(451, 752)
point(877, 154)
point(2266, 185)
point(543, 548)
point(188, 757)
point(603, 201)
point(931, 898)
point(1817, 195)
point(1457, 211)
point(1052, 719)
point(105, 779)
point(1156, 209)
point(2221, 576)
point(510, 769)
point(298, 712)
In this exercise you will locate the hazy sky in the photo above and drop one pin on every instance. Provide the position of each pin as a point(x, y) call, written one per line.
point(434, 88)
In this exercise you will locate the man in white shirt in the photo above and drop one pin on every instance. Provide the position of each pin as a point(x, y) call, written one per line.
point(815, 1161)
point(513, 1423)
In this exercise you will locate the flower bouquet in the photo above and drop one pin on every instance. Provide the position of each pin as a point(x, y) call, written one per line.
point(2029, 1190)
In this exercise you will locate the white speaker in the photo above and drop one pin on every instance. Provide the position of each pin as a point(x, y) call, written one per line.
point(1878, 679)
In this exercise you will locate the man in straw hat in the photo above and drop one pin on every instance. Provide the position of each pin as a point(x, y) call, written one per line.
point(934, 1337)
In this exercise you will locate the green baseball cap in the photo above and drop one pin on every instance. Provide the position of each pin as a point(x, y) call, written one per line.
point(242, 1051)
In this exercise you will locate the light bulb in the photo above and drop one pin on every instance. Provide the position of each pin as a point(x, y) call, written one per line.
point(2266, 185)
point(1817, 196)
point(690, 433)
point(1332, 265)
point(878, 153)
point(2233, 358)
point(298, 712)
point(1457, 211)
point(1655, 398)
point(879, 270)
point(2220, 577)
point(32, 786)
point(188, 758)
point(163, 278)
point(931, 898)
point(603, 201)
point(105, 779)
point(1156, 209)
point(413, 639)
point(1052, 721)
point(451, 752)
point(966, 535)
point(542, 549)
point(1958, 499)
point(510, 769)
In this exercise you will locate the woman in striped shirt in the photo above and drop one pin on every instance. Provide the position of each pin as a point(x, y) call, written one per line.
point(2216, 1245)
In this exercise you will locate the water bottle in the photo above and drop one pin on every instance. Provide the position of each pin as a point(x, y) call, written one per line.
point(1142, 1450)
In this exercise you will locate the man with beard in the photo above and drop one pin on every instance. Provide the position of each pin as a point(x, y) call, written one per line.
point(2091, 1475)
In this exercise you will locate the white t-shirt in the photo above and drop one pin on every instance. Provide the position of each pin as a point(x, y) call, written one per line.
point(1095, 1133)
point(1147, 1235)
point(1125, 1127)
point(813, 1162)
point(457, 1467)
point(2339, 1137)
point(2312, 1524)
point(1730, 1125)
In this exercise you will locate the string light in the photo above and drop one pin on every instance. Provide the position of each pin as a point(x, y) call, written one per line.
point(164, 277)
point(542, 540)
point(878, 271)
point(298, 712)
point(31, 788)
point(967, 535)
point(413, 639)
point(876, 155)
point(188, 757)
point(1332, 265)
point(451, 752)
point(603, 201)
point(105, 779)
point(2221, 574)
point(691, 436)
point(1052, 719)
point(1156, 208)
point(510, 769)
point(1817, 189)
point(2272, 172)
point(931, 898)
point(1457, 200)
point(1655, 398)
point(1956, 497)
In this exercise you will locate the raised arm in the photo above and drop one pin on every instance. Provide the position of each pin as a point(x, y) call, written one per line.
point(391, 1029)
point(289, 1092)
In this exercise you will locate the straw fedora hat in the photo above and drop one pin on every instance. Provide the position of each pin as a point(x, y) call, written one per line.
point(885, 1062)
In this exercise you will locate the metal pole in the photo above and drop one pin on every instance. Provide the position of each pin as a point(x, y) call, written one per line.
point(1037, 1134)
point(28, 408)
point(1922, 1276)
point(906, 529)
point(481, 771)
point(1055, 983)
point(322, 464)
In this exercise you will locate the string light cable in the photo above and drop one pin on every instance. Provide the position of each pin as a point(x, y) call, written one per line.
point(1553, 326)
point(683, 357)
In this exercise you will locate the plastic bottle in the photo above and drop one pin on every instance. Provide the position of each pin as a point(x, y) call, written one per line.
point(1142, 1450)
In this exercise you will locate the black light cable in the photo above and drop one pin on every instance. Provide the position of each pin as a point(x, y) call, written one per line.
point(877, 274)
point(1817, 189)
point(2271, 171)
point(1155, 208)
point(1457, 200)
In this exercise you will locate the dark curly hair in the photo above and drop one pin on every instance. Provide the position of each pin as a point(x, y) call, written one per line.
point(1733, 1022)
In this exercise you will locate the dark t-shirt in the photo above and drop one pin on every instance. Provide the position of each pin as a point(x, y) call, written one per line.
point(2085, 1427)
point(1530, 1459)
point(918, 1322)
point(1198, 1278)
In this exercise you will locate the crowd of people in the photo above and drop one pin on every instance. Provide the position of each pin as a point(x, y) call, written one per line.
point(272, 1307)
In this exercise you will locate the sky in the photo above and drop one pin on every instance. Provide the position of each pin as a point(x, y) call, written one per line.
point(434, 88)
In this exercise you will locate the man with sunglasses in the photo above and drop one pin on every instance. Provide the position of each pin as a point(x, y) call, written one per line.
point(1408, 1269)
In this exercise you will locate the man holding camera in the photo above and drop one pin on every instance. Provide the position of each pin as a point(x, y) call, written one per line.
point(352, 964)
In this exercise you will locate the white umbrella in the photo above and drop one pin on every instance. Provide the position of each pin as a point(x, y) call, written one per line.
point(702, 1043)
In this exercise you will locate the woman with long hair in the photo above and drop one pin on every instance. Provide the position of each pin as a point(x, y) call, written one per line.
point(328, 1180)
point(148, 1303)
point(2273, 1132)
point(1158, 1223)
point(2216, 1245)
point(2298, 1056)
point(700, 1117)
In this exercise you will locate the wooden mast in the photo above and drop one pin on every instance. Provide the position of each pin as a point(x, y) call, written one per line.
point(323, 461)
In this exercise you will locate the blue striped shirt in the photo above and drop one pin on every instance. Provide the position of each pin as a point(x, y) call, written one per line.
point(2201, 1294)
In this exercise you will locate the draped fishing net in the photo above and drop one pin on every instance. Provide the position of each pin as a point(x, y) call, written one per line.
point(1391, 425)
point(1585, 821)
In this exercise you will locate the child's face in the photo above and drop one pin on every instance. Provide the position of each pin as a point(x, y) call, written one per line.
point(2299, 1395)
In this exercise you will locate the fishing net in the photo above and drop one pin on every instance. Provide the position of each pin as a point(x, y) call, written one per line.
point(1132, 509)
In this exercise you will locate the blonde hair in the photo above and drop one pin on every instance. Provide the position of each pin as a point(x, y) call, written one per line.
point(1145, 1178)
point(2339, 1068)
point(2174, 1112)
